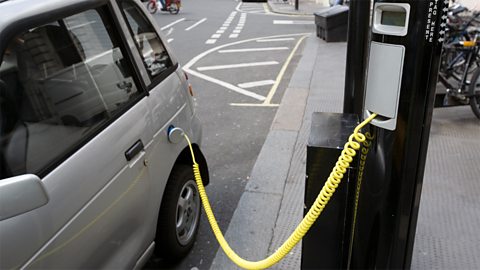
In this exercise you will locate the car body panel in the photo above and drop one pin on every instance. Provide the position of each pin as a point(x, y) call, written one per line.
point(102, 209)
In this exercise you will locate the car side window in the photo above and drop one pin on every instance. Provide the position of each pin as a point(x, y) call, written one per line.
point(60, 84)
point(149, 44)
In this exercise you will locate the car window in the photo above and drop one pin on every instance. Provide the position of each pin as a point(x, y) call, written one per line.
point(149, 44)
point(60, 83)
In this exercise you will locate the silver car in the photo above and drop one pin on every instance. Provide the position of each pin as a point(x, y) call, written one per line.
point(89, 177)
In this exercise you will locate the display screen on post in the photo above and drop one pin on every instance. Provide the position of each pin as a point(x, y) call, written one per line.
point(393, 18)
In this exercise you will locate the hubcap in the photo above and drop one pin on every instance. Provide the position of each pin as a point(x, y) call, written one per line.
point(188, 209)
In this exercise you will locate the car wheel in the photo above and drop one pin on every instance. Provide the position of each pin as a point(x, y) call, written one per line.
point(179, 216)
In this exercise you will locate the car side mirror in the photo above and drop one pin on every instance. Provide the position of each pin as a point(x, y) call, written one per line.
point(21, 194)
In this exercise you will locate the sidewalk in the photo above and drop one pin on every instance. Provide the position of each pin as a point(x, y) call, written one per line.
point(305, 7)
point(272, 204)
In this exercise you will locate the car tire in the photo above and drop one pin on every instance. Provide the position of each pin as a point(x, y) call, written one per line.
point(179, 216)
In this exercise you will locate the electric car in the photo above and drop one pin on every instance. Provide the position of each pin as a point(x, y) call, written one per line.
point(89, 177)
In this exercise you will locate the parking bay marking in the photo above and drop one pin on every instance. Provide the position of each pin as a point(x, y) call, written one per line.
point(255, 84)
point(253, 64)
point(229, 86)
point(274, 88)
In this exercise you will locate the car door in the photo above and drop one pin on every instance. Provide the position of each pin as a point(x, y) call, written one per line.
point(83, 128)
point(167, 102)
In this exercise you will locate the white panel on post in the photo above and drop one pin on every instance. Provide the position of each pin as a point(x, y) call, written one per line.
point(383, 83)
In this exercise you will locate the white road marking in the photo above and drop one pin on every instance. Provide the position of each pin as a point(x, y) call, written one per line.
point(275, 39)
point(253, 50)
point(255, 84)
point(169, 32)
point(229, 86)
point(282, 72)
point(172, 24)
point(195, 24)
point(170, 40)
point(222, 29)
point(238, 7)
point(226, 85)
point(291, 22)
point(239, 27)
point(254, 64)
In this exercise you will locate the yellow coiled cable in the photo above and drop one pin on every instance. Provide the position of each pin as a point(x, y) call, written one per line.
point(323, 197)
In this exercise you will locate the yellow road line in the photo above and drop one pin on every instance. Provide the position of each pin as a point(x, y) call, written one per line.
point(269, 97)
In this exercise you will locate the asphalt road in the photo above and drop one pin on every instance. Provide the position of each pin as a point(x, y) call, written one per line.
point(239, 57)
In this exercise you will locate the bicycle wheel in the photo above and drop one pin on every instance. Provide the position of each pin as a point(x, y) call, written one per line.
point(152, 7)
point(174, 7)
point(474, 92)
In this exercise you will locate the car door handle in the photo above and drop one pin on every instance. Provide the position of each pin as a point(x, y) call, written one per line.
point(136, 148)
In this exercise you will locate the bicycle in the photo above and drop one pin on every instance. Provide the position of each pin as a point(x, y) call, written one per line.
point(460, 28)
point(460, 87)
point(172, 7)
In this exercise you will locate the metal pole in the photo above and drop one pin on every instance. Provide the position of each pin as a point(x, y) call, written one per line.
point(296, 4)
point(357, 50)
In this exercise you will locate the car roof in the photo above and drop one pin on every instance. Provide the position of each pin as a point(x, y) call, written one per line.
point(17, 16)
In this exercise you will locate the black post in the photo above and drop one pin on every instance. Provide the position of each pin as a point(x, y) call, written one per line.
point(357, 48)
point(296, 4)
point(393, 176)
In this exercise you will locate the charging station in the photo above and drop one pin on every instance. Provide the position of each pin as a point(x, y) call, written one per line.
point(371, 221)
point(396, 82)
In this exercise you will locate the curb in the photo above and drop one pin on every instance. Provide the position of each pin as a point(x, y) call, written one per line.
point(274, 10)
